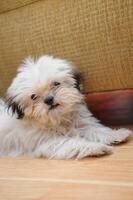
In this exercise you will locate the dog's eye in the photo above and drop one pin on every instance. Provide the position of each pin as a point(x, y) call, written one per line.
point(34, 96)
point(56, 83)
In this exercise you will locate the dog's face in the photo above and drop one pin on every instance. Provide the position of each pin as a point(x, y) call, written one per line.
point(46, 90)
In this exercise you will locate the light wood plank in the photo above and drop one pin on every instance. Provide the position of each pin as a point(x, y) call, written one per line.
point(37, 190)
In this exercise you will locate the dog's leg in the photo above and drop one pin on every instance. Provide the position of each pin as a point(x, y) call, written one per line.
point(67, 148)
point(92, 130)
point(106, 135)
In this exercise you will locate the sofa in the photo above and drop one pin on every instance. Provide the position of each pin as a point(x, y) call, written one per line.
point(96, 35)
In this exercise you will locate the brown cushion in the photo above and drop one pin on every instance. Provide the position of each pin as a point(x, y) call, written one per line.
point(95, 35)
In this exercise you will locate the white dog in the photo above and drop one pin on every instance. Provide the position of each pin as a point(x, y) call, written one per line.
point(45, 115)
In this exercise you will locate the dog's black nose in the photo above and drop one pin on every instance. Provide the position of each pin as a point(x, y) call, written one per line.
point(49, 100)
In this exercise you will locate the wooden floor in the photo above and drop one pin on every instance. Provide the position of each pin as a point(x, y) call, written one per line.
point(105, 178)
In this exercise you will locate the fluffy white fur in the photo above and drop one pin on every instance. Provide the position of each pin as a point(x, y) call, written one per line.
point(63, 131)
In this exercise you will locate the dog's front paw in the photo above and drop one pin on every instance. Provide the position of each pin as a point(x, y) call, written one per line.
point(95, 149)
point(68, 148)
point(118, 136)
point(82, 150)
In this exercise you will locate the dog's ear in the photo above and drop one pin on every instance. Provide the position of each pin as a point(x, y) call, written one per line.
point(15, 108)
point(77, 76)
